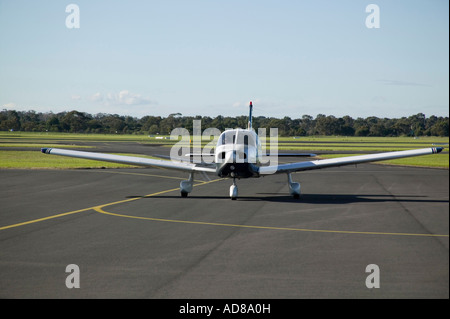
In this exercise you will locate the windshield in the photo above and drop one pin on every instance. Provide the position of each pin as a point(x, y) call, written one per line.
point(243, 137)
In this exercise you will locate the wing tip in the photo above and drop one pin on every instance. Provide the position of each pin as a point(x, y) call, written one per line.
point(46, 150)
point(437, 149)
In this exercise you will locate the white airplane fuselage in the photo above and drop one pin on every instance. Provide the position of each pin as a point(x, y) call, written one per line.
point(237, 154)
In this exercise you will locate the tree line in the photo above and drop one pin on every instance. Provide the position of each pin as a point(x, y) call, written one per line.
point(81, 122)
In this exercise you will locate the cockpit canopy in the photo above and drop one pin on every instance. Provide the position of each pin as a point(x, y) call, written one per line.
point(238, 136)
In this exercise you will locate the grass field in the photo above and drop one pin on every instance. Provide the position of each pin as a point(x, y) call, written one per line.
point(34, 159)
point(10, 157)
point(31, 137)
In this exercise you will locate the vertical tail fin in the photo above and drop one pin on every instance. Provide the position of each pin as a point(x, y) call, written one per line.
point(250, 116)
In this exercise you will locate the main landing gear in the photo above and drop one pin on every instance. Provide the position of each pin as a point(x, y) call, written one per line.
point(186, 186)
point(294, 188)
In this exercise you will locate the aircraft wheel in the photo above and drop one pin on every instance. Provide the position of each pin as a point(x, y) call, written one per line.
point(184, 194)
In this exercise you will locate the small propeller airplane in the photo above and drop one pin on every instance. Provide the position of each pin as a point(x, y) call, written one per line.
point(238, 154)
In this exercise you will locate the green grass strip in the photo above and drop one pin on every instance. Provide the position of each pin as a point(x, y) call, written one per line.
point(36, 159)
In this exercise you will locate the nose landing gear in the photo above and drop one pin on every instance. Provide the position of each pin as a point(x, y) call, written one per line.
point(234, 190)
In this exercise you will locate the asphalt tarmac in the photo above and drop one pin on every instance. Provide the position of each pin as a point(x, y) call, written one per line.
point(131, 235)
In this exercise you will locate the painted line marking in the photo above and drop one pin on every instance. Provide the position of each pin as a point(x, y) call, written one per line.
point(46, 218)
point(100, 210)
point(93, 207)
point(150, 175)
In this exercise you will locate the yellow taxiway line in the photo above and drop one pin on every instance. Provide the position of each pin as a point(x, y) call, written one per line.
point(99, 209)
point(93, 207)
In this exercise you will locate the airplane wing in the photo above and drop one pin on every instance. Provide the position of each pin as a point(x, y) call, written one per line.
point(129, 160)
point(210, 162)
point(317, 164)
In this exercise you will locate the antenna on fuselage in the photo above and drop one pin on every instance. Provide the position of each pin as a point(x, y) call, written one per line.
point(250, 116)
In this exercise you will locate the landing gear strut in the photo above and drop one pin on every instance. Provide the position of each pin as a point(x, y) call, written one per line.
point(186, 186)
point(234, 190)
point(294, 188)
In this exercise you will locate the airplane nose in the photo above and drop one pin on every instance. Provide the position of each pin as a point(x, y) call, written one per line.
point(230, 156)
point(234, 156)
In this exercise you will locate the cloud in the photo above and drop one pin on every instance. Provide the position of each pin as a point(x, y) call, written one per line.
point(76, 97)
point(122, 98)
point(127, 98)
point(97, 97)
point(9, 105)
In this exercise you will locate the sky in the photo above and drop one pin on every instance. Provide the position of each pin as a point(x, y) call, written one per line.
point(211, 57)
